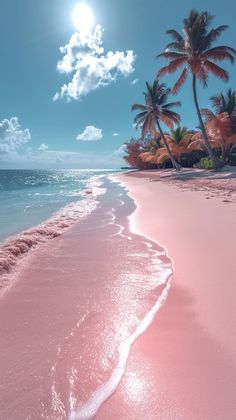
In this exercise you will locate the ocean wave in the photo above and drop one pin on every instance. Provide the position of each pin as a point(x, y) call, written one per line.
point(18, 246)
point(89, 409)
point(161, 271)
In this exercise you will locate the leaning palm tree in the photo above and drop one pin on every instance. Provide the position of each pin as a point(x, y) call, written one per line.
point(194, 52)
point(156, 110)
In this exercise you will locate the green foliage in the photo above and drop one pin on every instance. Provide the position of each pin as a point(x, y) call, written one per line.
point(178, 134)
point(205, 163)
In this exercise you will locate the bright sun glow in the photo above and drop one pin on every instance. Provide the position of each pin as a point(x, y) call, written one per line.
point(83, 17)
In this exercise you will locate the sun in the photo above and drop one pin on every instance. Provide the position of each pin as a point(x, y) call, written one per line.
point(83, 17)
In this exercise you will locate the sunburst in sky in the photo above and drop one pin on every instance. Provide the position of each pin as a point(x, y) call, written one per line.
point(83, 17)
point(93, 58)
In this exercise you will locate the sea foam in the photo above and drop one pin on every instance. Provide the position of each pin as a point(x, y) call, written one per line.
point(89, 409)
point(162, 270)
point(18, 246)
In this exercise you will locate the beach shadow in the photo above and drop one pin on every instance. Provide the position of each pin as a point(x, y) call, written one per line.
point(185, 174)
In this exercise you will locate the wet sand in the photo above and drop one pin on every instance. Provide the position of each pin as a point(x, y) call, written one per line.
point(184, 366)
point(71, 314)
point(94, 326)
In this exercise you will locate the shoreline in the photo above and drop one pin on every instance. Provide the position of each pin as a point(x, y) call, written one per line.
point(191, 345)
point(46, 193)
point(91, 293)
point(142, 187)
point(111, 349)
point(15, 248)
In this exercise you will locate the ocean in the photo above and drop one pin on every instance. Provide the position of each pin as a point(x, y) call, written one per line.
point(29, 197)
point(78, 287)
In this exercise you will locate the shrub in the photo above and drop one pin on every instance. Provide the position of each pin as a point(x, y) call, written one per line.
point(205, 163)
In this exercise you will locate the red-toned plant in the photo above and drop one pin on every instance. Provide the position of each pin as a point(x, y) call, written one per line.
point(133, 149)
point(219, 130)
point(222, 103)
point(195, 54)
point(178, 141)
point(221, 124)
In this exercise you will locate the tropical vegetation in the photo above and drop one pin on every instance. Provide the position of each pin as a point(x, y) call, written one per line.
point(155, 110)
point(195, 52)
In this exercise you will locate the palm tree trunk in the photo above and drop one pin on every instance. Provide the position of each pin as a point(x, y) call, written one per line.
point(216, 162)
point(174, 162)
point(223, 154)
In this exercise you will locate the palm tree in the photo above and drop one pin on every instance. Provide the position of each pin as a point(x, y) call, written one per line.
point(194, 51)
point(221, 124)
point(178, 134)
point(225, 103)
point(155, 110)
point(219, 131)
point(178, 141)
point(222, 103)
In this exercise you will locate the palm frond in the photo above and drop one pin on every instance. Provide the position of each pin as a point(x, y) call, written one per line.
point(173, 116)
point(224, 103)
point(140, 116)
point(200, 72)
point(146, 125)
point(139, 107)
point(216, 101)
point(220, 54)
point(167, 121)
point(207, 114)
point(175, 35)
point(175, 46)
point(173, 66)
point(171, 105)
point(213, 35)
point(171, 55)
point(180, 81)
point(216, 70)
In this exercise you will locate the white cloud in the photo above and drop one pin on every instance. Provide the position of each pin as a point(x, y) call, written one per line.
point(134, 81)
point(120, 151)
point(115, 134)
point(12, 136)
point(43, 147)
point(61, 159)
point(90, 68)
point(90, 133)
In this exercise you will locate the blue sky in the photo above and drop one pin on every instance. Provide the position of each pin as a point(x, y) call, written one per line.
point(37, 131)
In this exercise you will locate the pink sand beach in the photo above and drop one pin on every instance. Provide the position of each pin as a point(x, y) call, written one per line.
point(130, 313)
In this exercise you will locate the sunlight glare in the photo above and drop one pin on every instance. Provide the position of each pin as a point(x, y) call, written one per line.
point(136, 387)
point(83, 17)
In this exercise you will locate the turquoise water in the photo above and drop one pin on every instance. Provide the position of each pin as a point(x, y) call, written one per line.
point(28, 197)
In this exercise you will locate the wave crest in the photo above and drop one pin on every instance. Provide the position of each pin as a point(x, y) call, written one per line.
point(18, 246)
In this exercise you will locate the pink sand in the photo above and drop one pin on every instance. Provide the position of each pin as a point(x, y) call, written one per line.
point(183, 367)
point(73, 311)
point(80, 297)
